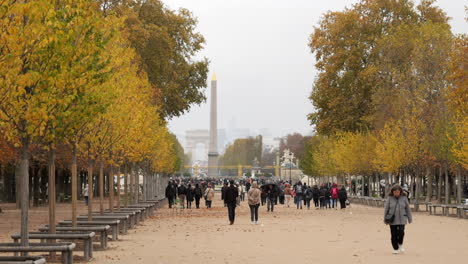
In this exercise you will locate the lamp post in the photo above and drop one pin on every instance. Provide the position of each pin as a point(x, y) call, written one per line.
point(290, 166)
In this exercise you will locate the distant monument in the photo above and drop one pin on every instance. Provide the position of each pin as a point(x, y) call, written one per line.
point(213, 151)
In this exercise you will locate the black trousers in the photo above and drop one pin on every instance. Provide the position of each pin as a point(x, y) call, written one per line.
point(197, 202)
point(316, 202)
point(398, 233)
point(343, 204)
point(254, 212)
point(231, 211)
point(208, 204)
point(170, 201)
point(189, 204)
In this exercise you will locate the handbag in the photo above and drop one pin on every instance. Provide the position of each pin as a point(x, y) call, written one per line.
point(389, 218)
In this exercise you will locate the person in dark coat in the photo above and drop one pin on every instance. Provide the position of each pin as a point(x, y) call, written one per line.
point(198, 193)
point(327, 197)
point(323, 204)
point(316, 196)
point(170, 193)
point(271, 195)
point(342, 196)
point(190, 195)
point(307, 196)
point(223, 193)
point(230, 198)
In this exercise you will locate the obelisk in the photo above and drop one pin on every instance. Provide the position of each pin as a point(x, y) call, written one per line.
point(213, 150)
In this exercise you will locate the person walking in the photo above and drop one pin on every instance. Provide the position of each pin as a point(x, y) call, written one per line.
point(322, 197)
point(86, 194)
point(287, 194)
point(230, 198)
point(334, 196)
point(299, 192)
point(316, 196)
point(342, 196)
point(271, 197)
point(190, 196)
point(253, 197)
point(209, 194)
point(242, 188)
point(170, 193)
point(223, 193)
point(397, 214)
point(198, 193)
point(327, 197)
point(307, 196)
point(182, 192)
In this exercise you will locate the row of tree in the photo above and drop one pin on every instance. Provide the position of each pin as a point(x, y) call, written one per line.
point(243, 151)
point(391, 96)
point(95, 80)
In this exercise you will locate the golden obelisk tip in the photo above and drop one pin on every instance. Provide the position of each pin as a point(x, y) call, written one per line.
point(214, 77)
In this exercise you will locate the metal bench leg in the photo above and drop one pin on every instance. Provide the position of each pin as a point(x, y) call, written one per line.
point(65, 257)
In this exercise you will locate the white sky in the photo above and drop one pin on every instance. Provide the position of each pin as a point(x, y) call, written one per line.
point(265, 71)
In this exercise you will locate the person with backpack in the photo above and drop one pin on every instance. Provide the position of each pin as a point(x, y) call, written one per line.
point(253, 197)
point(198, 193)
point(316, 196)
point(182, 192)
point(307, 196)
point(397, 214)
point(334, 196)
point(342, 196)
point(209, 194)
point(170, 193)
point(190, 195)
point(299, 194)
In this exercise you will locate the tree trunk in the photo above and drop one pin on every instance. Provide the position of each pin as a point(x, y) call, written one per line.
point(101, 186)
point(111, 189)
point(51, 190)
point(90, 189)
point(417, 194)
point(447, 185)
point(429, 184)
point(459, 186)
point(24, 177)
point(137, 185)
point(132, 184)
point(118, 188)
point(18, 184)
point(74, 184)
point(439, 185)
point(126, 186)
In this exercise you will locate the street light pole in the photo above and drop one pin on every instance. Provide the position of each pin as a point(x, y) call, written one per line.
point(290, 165)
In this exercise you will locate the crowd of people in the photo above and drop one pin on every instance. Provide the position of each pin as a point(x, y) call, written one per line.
point(397, 212)
point(259, 193)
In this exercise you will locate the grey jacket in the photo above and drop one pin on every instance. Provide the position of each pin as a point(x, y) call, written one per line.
point(401, 208)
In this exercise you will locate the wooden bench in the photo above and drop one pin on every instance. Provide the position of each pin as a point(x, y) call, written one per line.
point(110, 227)
point(462, 211)
point(417, 204)
point(22, 260)
point(103, 231)
point(131, 217)
point(149, 208)
point(65, 248)
point(123, 224)
point(87, 239)
point(139, 213)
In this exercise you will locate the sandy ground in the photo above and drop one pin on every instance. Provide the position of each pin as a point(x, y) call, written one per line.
point(356, 235)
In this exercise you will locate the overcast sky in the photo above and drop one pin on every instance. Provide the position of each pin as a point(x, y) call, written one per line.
point(265, 71)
